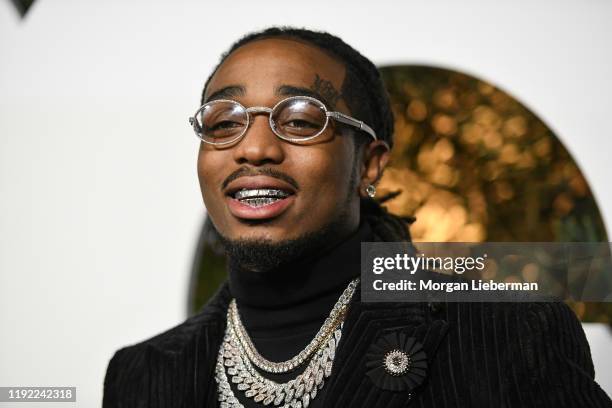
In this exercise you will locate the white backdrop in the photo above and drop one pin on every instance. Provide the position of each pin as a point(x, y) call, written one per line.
point(99, 202)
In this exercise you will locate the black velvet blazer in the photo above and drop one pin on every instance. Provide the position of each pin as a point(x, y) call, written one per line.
point(477, 355)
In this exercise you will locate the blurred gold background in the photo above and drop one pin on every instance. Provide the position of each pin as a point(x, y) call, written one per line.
point(473, 165)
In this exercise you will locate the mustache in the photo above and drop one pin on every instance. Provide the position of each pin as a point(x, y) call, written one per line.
point(264, 171)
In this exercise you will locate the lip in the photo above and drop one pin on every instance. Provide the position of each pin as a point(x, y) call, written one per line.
point(253, 182)
point(244, 211)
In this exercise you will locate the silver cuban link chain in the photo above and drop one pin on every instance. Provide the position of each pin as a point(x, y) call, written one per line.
point(237, 359)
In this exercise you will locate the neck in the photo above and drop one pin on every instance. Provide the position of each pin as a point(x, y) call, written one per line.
point(310, 284)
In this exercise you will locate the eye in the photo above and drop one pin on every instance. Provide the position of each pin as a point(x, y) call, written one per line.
point(224, 125)
point(300, 123)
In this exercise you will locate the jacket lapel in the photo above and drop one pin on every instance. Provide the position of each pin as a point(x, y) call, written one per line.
point(208, 344)
point(365, 323)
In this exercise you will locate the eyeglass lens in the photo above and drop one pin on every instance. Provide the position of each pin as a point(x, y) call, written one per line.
point(222, 121)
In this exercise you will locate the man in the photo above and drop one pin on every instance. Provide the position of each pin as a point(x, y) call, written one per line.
point(296, 130)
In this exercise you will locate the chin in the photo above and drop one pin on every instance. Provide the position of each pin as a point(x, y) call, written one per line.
point(265, 233)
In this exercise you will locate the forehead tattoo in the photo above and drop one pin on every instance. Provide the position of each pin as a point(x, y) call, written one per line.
point(326, 89)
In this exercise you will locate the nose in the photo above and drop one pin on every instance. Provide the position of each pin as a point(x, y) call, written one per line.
point(259, 145)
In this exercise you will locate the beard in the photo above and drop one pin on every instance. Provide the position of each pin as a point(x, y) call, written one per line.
point(261, 254)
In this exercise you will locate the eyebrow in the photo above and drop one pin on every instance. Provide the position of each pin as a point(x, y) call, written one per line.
point(289, 90)
point(233, 91)
point(227, 92)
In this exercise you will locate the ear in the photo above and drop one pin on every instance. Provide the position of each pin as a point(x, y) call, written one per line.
point(375, 157)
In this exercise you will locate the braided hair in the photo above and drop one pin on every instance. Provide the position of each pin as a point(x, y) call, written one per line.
point(386, 227)
point(367, 99)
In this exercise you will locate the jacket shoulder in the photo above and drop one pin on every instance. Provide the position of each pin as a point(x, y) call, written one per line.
point(537, 350)
point(128, 375)
point(174, 338)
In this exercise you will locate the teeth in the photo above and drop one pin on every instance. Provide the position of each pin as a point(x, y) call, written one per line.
point(259, 201)
point(262, 192)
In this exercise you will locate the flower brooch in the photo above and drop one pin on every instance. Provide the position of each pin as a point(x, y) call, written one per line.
point(398, 360)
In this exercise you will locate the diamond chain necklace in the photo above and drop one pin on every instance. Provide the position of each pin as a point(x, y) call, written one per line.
point(332, 321)
point(239, 357)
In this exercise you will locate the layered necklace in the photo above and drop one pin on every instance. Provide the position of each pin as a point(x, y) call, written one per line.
point(238, 359)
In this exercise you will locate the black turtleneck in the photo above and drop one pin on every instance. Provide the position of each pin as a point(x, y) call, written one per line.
point(283, 309)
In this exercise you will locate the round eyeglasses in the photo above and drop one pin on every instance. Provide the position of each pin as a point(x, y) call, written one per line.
point(295, 119)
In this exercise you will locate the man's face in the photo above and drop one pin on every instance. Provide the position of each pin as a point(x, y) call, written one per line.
point(315, 175)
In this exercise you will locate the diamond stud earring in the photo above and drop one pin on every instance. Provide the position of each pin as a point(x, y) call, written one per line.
point(371, 190)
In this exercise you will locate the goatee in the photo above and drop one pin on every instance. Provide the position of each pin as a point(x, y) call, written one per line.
point(262, 255)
